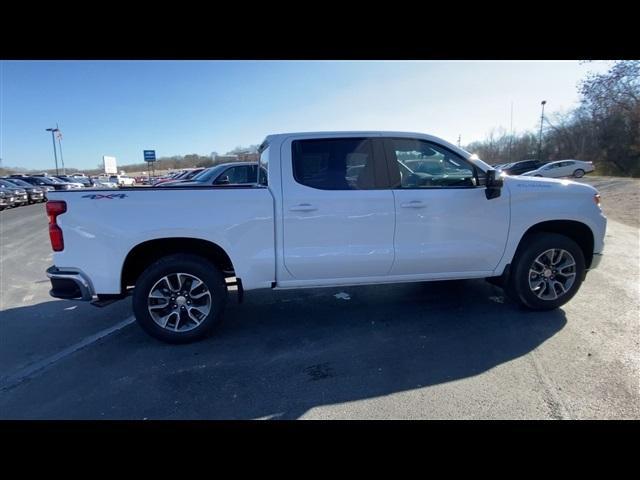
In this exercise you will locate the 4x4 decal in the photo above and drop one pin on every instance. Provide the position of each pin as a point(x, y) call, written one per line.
point(98, 196)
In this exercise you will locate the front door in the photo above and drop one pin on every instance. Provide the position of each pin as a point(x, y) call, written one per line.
point(444, 222)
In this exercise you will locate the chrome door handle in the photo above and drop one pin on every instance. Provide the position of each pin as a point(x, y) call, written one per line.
point(303, 207)
point(413, 204)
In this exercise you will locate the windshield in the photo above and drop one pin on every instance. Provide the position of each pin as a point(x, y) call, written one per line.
point(192, 174)
point(479, 163)
point(20, 183)
point(4, 183)
point(45, 180)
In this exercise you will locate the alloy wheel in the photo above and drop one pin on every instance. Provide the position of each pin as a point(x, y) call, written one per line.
point(179, 302)
point(552, 274)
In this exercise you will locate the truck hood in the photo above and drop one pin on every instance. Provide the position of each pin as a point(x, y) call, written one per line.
point(519, 184)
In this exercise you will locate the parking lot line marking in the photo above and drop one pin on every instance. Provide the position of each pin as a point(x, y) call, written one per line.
point(17, 378)
point(559, 410)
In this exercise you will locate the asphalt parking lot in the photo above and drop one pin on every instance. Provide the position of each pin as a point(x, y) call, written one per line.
point(440, 350)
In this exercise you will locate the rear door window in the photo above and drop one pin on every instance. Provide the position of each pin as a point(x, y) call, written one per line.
point(335, 163)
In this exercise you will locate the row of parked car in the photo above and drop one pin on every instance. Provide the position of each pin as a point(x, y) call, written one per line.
point(233, 173)
point(17, 190)
point(535, 168)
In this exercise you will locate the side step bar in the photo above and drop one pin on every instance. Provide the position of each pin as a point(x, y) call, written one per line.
point(104, 300)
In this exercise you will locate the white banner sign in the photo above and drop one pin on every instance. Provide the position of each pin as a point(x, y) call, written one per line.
point(110, 164)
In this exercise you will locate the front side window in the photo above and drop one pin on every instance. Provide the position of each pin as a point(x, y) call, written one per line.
point(240, 174)
point(423, 164)
point(334, 163)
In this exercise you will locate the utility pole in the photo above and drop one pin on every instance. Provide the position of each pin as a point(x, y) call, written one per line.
point(53, 140)
point(540, 138)
point(511, 132)
point(64, 171)
point(459, 136)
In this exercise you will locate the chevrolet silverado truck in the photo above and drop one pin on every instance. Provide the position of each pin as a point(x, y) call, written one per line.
point(326, 209)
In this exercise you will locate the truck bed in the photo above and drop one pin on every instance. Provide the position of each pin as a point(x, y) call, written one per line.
point(100, 227)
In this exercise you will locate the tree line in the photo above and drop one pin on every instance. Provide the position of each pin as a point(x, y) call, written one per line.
point(604, 128)
point(192, 160)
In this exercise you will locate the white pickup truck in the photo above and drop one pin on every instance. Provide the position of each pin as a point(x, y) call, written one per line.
point(327, 209)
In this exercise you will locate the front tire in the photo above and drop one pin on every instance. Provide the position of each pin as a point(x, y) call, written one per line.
point(180, 298)
point(546, 272)
point(579, 173)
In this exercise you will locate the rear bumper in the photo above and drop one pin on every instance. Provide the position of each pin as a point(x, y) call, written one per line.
point(69, 285)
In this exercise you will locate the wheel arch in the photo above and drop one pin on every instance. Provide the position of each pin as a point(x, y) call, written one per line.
point(577, 231)
point(147, 252)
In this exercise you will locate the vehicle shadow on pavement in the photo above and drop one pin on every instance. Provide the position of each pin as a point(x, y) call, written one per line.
point(282, 353)
point(384, 340)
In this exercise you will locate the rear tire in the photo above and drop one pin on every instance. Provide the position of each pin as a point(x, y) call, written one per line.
point(535, 281)
point(579, 173)
point(190, 313)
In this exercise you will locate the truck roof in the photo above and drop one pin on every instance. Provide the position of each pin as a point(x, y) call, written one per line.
point(369, 133)
point(341, 133)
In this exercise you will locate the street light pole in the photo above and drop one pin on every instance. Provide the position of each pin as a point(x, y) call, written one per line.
point(511, 132)
point(53, 140)
point(540, 137)
point(64, 171)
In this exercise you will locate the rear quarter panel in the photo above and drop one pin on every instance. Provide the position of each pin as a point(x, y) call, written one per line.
point(101, 227)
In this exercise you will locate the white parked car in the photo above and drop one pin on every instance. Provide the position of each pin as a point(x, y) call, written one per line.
point(562, 168)
point(122, 180)
point(105, 182)
point(326, 210)
point(102, 183)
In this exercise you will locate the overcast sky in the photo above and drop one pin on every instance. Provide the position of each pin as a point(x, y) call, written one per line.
point(120, 108)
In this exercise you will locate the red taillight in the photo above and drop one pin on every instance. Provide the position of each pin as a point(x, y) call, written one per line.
point(55, 208)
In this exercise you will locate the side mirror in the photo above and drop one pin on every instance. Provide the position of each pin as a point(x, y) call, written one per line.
point(223, 180)
point(494, 184)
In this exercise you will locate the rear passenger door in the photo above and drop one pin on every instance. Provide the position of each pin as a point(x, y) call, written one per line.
point(567, 168)
point(338, 214)
point(553, 170)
